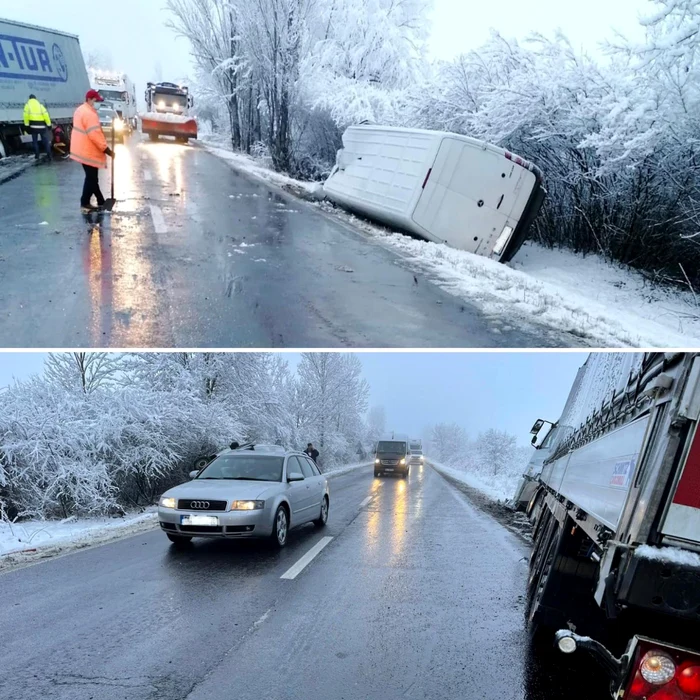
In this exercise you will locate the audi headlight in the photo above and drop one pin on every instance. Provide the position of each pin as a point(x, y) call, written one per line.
point(167, 502)
point(247, 505)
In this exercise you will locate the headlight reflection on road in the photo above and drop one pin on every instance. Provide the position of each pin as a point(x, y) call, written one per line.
point(124, 178)
point(169, 164)
point(99, 271)
point(398, 534)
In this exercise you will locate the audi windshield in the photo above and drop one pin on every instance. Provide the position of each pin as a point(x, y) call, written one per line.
point(244, 468)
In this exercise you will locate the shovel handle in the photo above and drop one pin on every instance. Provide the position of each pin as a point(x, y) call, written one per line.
point(113, 145)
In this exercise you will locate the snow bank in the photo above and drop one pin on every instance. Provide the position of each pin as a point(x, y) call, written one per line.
point(588, 305)
point(39, 539)
point(167, 117)
point(500, 488)
point(670, 555)
point(254, 167)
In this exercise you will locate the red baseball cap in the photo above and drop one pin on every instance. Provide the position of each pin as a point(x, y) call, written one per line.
point(94, 95)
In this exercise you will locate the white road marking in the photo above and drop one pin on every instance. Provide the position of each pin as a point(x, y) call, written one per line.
point(147, 175)
point(366, 501)
point(292, 573)
point(158, 219)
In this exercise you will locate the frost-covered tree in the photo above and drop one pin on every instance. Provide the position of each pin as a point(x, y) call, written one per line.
point(448, 443)
point(496, 450)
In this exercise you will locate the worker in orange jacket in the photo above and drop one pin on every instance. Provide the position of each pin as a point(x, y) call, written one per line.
point(88, 146)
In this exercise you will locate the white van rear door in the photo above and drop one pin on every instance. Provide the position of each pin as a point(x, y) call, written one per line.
point(471, 194)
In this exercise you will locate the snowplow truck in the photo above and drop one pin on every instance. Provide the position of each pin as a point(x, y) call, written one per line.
point(167, 113)
point(615, 564)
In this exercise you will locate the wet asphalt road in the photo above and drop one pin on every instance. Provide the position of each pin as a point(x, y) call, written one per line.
point(418, 595)
point(197, 255)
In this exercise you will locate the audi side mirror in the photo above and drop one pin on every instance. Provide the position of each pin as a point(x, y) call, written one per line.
point(193, 473)
point(295, 476)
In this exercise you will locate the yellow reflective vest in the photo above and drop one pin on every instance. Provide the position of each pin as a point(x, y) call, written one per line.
point(35, 115)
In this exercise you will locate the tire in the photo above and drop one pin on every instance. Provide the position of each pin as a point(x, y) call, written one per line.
point(541, 619)
point(280, 528)
point(323, 518)
point(377, 474)
point(405, 474)
point(180, 541)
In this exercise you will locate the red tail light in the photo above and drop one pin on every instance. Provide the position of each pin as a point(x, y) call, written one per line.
point(688, 678)
point(659, 672)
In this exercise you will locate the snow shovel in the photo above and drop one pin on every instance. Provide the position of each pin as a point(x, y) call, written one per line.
point(109, 203)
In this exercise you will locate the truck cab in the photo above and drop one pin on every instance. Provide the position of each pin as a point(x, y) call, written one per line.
point(392, 456)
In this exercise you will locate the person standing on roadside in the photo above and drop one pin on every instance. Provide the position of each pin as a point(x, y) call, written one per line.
point(312, 452)
point(38, 123)
point(88, 146)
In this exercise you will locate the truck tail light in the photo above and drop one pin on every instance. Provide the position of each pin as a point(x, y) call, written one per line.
point(659, 672)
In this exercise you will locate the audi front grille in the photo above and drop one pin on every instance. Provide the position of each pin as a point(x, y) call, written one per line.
point(200, 504)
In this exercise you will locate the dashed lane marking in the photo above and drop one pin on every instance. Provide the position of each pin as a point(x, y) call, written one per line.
point(295, 570)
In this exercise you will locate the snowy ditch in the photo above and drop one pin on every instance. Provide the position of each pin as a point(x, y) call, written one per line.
point(603, 304)
point(31, 541)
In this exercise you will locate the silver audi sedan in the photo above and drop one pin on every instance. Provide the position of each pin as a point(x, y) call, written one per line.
point(252, 491)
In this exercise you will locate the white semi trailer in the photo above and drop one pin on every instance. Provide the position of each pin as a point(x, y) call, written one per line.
point(43, 62)
point(440, 186)
point(616, 526)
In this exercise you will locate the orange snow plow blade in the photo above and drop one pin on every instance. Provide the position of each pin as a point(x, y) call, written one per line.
point(187, 128)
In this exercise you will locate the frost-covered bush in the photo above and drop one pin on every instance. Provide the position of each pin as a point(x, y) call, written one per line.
point(103, 432)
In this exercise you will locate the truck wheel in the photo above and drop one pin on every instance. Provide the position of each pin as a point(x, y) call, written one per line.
point(153, 137)
point(542, 617)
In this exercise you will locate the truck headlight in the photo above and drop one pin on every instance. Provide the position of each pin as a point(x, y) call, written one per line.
point(403, 461)
point(167, 502)
point(118, 124)
point(422, 459)
point(176, 107)
point(247, 505)
point(161, 104)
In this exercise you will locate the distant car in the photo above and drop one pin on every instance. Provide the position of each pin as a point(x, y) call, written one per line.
point(416, 453)
point(253, 491)
point(109, 119)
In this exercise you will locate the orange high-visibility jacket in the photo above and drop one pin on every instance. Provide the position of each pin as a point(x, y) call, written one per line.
point(88, 142)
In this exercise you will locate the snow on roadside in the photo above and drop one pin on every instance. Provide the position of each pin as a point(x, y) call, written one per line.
point(499, 488)
point(602, 303)
point(596, 301)
point(345, 469)
point(670, 555)
point(254, 167)
point(33, 540)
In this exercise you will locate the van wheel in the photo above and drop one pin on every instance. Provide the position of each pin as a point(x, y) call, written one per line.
point(180, 541)
point(377, 474)
point(280, 528)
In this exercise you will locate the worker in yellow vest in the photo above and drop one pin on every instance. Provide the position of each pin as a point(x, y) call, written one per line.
point(38, 123)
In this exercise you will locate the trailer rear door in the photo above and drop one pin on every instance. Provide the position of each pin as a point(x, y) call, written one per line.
point(682, 519)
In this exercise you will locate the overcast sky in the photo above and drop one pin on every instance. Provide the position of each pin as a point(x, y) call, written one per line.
point(133, 32)
point(479, 391)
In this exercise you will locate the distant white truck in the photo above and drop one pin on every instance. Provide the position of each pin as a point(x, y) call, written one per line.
point(43, 62)
point(117, 89)
point(443, 187)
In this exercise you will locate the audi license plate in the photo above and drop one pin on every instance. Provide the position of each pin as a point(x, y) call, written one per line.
point(199, 520)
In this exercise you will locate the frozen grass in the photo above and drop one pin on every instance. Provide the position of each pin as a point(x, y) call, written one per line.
point(500, 487)
point(39, 539)
point(603, 304)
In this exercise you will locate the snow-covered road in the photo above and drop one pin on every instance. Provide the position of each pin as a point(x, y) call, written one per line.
point(417, 594)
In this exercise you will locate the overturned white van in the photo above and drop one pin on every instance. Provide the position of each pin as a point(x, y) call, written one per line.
point(443, 187)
